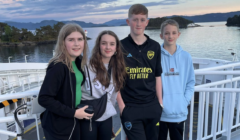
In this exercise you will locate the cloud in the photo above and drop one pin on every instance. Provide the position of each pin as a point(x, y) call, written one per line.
point(36, 10)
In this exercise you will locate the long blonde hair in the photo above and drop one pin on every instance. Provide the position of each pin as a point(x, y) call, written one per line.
point(61, 53)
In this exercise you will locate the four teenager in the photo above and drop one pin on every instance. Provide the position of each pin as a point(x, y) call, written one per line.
point(132, 73)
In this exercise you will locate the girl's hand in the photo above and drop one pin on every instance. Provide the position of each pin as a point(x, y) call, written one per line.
point(81, 114)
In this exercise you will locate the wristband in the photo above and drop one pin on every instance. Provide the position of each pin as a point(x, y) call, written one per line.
point(161, 105)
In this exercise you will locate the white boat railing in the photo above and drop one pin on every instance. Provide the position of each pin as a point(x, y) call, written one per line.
point(32, 112)
point(11, 81)
point(227, 66)
point(217, 112)
point(218, 109)
point(227, 111)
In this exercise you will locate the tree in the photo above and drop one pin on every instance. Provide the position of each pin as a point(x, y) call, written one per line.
point(16, 35)
point(48, 32)
point(7, 33)
point(233, 21)
point(26, 35)
point(156, 22)
point(2, 25)
point(57, 27)
point(13, 34)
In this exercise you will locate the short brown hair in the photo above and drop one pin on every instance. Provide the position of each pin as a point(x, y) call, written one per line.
point(169, 22)
point(137, 9)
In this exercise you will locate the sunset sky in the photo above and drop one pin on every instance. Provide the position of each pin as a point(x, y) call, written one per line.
point(100, 11)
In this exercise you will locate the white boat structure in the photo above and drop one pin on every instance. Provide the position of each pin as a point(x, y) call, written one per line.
point(214, 112)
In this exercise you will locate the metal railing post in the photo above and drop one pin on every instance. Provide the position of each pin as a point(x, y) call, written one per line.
point(36, 120)
point(200, 115)
point(227, 108)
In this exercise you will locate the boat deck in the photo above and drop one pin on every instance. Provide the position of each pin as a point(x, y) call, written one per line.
point(31, 133)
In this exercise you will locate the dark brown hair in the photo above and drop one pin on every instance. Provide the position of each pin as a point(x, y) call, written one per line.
point(137, 9)
point(116, 63)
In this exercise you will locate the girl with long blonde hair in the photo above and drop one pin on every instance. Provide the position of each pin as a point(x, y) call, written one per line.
point(61, 89)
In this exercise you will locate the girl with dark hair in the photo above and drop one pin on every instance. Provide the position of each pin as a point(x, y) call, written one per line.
point(105, 74)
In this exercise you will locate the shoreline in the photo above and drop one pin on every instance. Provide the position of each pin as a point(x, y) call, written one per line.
point(28, 43)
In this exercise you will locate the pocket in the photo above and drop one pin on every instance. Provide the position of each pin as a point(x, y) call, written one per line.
point(62, 124)
point(175, 104)
point(161, 108)
point(123, 110)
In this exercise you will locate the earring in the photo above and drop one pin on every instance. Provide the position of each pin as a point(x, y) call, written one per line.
point(115, 53)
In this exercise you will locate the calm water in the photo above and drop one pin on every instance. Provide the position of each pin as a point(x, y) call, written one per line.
point(203, 42)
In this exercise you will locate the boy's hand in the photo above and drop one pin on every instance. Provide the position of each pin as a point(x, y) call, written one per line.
point(120, 102)
point(121, 109)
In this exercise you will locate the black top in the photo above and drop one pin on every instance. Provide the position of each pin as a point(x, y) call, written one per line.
point(143, 65)
point(58, 96)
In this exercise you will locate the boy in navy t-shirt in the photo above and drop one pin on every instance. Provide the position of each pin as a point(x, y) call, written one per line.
point(141, 98)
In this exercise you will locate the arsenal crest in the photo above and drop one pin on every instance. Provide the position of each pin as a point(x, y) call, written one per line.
point(150, 54)
point(128, 125)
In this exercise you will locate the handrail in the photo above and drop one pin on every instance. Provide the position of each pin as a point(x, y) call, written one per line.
point(10, 74)
point(218, 82)
point(219, 67)
point(18, 95)
point(216, 90)
point(217, 72)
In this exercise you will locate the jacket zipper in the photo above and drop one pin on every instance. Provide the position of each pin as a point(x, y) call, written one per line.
point(90, 83)
point(72, 106)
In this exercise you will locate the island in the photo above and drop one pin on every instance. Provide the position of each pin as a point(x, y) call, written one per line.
point(155, 23)
point(233, 21)
point(11, 36)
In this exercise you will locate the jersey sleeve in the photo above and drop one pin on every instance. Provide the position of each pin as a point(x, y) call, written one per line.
point(158, 70)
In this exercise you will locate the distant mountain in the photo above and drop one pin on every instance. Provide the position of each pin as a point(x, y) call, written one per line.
point(212, 17)
point(33, 26)
point(116, 22)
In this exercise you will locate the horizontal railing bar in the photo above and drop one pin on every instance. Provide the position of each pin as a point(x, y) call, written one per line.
point(218, 82)
point(9, 74)
point(235, 126)
point(18, 95)
point(20, 117)
point(220, 67)
point(223, 131)
point(217, 72)
point(216, 89)
point(209, 136)
point(9, 133)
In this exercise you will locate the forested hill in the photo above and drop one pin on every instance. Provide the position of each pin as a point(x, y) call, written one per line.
point(155, 23)
point(212, 17)
point(233, 21)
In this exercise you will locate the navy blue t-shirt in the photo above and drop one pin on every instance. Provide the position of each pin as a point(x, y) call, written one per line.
point(143, 65)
